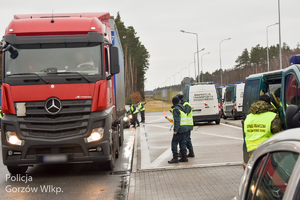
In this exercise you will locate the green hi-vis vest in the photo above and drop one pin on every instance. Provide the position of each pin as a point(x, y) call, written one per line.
point(183, 118)
point(257, 128)
point(1, 114)
point(190, 115)
point(141, 106)
point(132, 110)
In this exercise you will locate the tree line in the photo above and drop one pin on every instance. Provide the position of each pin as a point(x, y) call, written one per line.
point(136, 58)
point(249, 62)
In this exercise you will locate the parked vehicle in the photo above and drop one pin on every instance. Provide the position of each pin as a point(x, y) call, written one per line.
point(273, 171)
point(205, 102)
point(287, 79)
point(63, 90)
point(233, 101)
point(221, 92)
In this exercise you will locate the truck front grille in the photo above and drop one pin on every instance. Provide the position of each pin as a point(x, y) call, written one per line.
point(71, 120)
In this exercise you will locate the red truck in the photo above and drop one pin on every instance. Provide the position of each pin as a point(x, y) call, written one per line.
point(62, 93)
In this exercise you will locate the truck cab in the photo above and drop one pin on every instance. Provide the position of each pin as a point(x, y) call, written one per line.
point(60, 77)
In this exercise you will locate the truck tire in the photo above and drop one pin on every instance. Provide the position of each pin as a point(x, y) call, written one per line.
point(217, 121)
point(109, 165)
point(235, 117)
point(17, 169)
point(121, 132)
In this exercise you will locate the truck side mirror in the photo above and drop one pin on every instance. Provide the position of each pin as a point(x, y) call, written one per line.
point(114, 60)
point(293, 116)
point(13, 53)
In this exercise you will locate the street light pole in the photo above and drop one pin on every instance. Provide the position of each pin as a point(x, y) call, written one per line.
point(202, 64)
point(280, 59)
point(197, 50)
point(190, 70)
point(221, 60)
point(180, 73)
point(195, 62)
point(268, 46)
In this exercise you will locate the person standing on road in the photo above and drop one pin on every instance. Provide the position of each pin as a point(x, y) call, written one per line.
point(134, 112)
point(261, 124)
point(142, 110)
point(180, 131)
point(190, 124)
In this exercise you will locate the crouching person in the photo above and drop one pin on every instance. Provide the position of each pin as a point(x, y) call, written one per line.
point(180, 131)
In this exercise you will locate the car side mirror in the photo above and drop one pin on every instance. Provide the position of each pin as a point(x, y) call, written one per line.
point(292, 116)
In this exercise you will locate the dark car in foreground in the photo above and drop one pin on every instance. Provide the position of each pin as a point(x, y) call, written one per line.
point(273, 171)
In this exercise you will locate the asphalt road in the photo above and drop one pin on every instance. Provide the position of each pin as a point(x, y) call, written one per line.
point(72, 181)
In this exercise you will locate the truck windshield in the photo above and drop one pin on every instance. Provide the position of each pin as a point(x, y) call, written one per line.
point(44, 59)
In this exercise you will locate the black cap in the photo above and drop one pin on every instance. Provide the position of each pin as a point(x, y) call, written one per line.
point(265, 97)
point(130, 104)
point(180, 96)
point(277, 92)
point(175, 100)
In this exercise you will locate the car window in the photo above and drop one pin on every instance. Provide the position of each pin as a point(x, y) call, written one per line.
point(275, 176)
point(254, 177)
point(292, 90)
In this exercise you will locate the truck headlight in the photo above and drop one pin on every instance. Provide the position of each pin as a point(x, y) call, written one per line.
point(96, 135)
point(12, 138)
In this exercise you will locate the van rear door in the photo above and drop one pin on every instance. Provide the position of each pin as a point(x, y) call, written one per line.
point(239, 96)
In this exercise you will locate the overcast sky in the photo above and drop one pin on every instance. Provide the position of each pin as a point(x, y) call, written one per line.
point(158, 24)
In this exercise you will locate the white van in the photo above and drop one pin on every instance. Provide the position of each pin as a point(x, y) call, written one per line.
point(233, 101)
point(205, 102)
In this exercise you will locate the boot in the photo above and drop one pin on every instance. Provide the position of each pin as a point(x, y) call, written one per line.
point(174, 159)
point(184, 158)
point(180, 154)
point(191, 153)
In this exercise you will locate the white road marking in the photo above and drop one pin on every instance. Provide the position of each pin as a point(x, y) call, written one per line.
point(145, 155)
point(231, 126)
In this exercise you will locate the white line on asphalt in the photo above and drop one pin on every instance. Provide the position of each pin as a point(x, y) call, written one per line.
point(231, 126)
point(161, 158)
point(224, 136)
point(158, 126)
point(145, 155)
point(155, 120)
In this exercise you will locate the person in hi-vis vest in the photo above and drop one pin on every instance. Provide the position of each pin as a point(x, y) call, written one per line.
point(180, 131)
point(134, 112)
point(142, 110)
point(261, 124)
point(190, 124)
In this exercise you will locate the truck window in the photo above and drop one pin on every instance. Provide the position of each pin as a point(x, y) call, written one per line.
point(292, 90)
point(251, 93)
point(83, 58)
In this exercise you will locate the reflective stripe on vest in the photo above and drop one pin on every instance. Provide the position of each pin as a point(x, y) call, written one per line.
point(183, 118)
point(141, 106)
point(257, 128)
point(133, 112)
point(190, 121)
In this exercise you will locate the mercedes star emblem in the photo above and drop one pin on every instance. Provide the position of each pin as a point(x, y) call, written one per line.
point(53, 105)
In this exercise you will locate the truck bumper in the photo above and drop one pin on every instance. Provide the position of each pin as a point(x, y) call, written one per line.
point(74, 150)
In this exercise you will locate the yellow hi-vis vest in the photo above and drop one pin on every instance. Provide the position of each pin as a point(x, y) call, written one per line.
point(257, 128)
point(190, 115)
point(141, 106)
point(183, 118)
point(131, 109)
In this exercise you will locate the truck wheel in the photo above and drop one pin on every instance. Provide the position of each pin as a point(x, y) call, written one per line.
point(109, 165)
point(224, 117)
point(234, 117)
point(121, 133)
point(217, 121)
point(17, 169)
